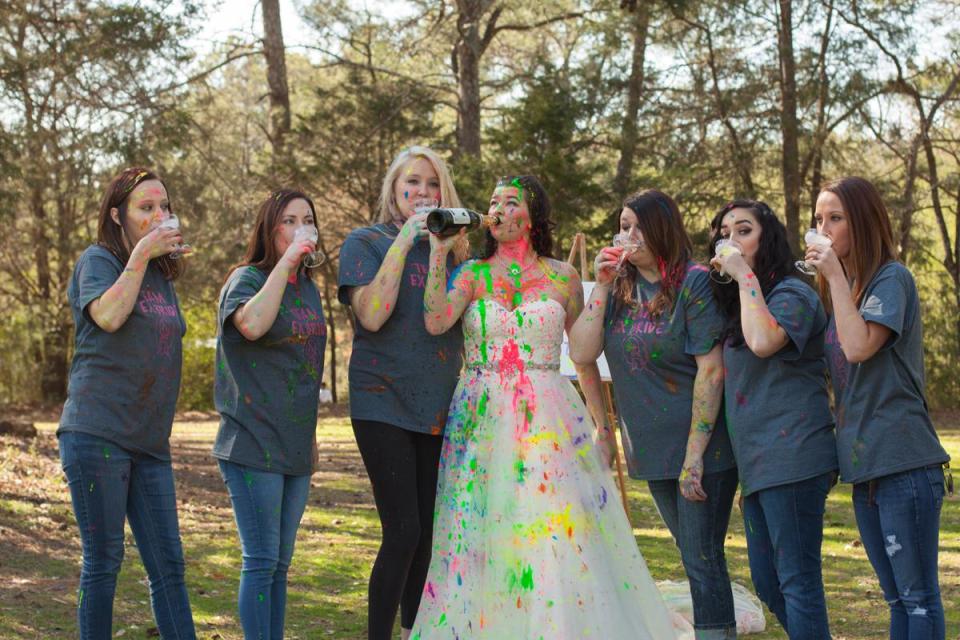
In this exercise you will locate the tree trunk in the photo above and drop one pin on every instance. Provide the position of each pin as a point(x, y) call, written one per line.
point(273, 51)
point(468, 80)
point(628, 133)
point(331, 335)
point(909, 205)
point(53, 373)
point(790, 159)
point(823, 101)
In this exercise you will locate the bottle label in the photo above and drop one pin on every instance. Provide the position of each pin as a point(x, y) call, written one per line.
point(460, 216)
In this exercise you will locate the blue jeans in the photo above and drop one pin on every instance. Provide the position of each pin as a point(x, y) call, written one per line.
point(699, 530)
point(784, 527)
point(900, 530)
point(109, 485)
point(268, 507)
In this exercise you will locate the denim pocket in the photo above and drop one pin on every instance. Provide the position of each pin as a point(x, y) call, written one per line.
point(937, 484)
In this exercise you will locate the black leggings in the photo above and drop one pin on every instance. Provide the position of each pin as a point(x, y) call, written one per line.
point(402, 466)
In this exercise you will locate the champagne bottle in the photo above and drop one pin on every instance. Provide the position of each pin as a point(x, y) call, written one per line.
point(447, 222)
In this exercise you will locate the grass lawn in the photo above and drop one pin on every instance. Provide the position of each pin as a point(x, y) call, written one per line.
point(40, 550)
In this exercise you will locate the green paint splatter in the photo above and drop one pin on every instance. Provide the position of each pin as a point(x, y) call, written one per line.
point(520, 469)
point(516, 182)
point(526, 580)
point(481, 270)
point(482, 405)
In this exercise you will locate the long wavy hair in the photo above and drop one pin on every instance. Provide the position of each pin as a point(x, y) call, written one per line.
point(388, 208)
point(871, 237)
point(111, 235)
point(661, 225)
point(261, 249)
point(772, 263)
point(538, 205)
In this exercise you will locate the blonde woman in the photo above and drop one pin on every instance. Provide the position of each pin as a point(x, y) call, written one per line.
point(401, 377)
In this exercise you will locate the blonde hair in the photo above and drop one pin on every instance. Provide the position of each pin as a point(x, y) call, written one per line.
point(390, 211)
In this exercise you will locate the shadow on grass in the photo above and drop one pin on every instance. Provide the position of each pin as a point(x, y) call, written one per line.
point(40, 552)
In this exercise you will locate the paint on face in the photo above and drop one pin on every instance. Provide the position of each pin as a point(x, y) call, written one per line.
point(296, 214)
point(147, 206)
point(417, 185)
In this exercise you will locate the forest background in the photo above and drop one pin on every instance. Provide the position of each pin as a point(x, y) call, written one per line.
point(706, 100)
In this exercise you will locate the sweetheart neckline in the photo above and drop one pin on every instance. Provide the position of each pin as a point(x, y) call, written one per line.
point(519, 306)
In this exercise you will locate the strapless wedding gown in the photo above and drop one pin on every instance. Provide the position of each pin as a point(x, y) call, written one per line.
point(530, 540)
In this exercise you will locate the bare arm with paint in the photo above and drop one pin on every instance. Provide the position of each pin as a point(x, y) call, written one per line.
point(859, 339)
point(373, 303)
point(762, 333)
point(707, 397)
point(111, 310)
point(254, 318)
point(588, 375)
point(586, 335)
point(443, 305)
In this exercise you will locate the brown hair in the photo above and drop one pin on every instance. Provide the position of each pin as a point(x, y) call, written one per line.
point(661, 224)
point(871, 237)
point(261, 248)
point(111, 235)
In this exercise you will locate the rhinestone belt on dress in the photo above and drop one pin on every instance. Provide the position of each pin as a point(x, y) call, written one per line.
point(496, 366)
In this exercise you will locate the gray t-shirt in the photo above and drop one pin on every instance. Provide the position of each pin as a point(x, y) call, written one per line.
point(124, 385)
point(399, 375)
point(653, 367)
point(778, 408)
point(267, 389)
point(883, 426)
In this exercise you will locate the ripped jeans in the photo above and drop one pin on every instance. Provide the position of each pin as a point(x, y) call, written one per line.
point(900, 531)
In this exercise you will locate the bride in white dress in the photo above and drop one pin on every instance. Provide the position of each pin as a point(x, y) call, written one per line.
point(530, 540)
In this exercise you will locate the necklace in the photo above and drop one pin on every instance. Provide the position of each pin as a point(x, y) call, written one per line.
point(514, 268)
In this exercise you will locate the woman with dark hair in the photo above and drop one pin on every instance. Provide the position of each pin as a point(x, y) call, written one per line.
point(124, 380)
point(886, 443)
point(270, 344)
point(401, 377)
point(777, 414)
point(529, 540)
point(659, 327)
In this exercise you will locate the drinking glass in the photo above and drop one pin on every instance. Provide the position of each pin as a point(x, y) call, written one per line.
point(316, 257)
point(723, 248)
point(812, 237)
point(173, 222)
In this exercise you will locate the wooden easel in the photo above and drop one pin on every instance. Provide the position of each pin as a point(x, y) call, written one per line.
point(579, 242)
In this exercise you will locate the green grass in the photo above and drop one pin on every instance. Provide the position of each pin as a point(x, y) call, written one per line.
point(40, 552)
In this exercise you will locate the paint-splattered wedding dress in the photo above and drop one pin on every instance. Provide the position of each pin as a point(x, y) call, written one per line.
point(530, 540)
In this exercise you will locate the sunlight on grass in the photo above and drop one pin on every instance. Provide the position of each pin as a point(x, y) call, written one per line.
point(336, 546)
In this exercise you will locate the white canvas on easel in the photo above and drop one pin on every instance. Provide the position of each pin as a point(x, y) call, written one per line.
point(566, 364)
